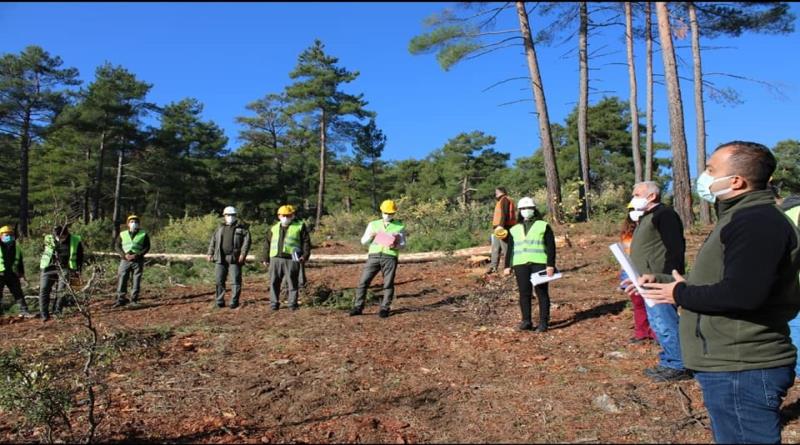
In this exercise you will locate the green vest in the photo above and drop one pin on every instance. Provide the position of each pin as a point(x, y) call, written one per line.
point(50, 248)
point(377, 227)
point(290, 242)
point(529, 248)
point(135, 244)
point(794, 215)
point(17, 259)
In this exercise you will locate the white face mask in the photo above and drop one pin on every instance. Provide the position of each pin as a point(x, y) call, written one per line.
point(635, 215)
point(230, 219)
point(527, 213)
point(639, 203)
point(285, 220)
point(133, 226)
point(388, 217)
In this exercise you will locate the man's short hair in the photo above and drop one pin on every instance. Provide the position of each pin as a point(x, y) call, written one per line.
point(651, 187)
point(501, 190)
point(751, 160)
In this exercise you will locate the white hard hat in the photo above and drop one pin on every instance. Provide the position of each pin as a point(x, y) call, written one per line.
point(525, 202)
point(230, 210)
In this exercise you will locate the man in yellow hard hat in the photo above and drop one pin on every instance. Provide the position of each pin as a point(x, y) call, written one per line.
point(287, 247)
point(504, 217)
point(132, 245)
point(385, 237)
point(12, 269)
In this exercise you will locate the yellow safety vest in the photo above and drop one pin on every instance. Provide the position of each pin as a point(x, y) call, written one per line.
point(377, 227)
point(290, 242)
point(135, 244)
point(50, 248)
point(17, 259)
point(529, 248)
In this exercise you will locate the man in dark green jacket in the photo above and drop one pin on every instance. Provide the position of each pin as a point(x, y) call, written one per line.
point(739, 297)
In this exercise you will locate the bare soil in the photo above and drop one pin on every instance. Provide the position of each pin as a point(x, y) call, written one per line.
point(447, 366)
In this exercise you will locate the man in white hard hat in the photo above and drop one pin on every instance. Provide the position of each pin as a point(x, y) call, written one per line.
point(228, 249)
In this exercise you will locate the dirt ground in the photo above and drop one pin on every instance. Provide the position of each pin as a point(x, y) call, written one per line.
point(446, 366)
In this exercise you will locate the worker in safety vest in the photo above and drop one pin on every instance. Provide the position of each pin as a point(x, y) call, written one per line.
point(287, 247)
point(505, 216)
point(791, 206)
point(385, 237)
point(531, 249)
point(12, 269)
point(132, 245)
point(62, 258)
point(228, 249)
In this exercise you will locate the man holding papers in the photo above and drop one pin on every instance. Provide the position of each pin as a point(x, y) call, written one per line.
point(531, 249)
point(384, 236)
point(739, 297)
point(658, 247)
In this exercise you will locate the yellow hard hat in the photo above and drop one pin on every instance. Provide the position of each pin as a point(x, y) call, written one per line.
point(130, 217)
point(6, 229)
point(388, 206)
point(286, 210)
point(500, 233)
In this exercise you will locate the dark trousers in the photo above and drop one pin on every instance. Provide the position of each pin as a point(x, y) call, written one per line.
point(523, 273)
point(221, 271)
point(126, 269)
point(48, 280)
point(281, 269)
point(386, 264)
point(11, 280)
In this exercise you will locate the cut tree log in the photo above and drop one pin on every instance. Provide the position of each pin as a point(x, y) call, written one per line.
point(419, 257)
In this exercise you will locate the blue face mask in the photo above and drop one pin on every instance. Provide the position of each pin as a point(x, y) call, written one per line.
point(7, 238)
point(704, 183)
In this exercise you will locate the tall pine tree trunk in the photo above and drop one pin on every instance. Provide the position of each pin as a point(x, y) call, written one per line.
point(681, 185)
point(548, 151)
point(699, 107)
point(374, 191)
point(85, 203)
point(583, 108)
point(24, 151)
point(637, 156)
point(98, 177)
point(323, 152)
point(648, 147)
point(118, 194)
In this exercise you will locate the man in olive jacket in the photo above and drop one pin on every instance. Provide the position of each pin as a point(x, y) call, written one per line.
point(739, 297)
point(228, 249)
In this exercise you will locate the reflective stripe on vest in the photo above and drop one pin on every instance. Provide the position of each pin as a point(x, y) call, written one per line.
point(291, 240)
point(529, 248)
point(135, 245)
point(50, 248)
point(17, 259)
point(377, 227)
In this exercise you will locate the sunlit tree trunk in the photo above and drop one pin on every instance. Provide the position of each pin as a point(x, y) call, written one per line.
point(637, 156)
point(699, 107)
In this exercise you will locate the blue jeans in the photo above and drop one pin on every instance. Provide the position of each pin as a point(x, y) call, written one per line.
point(794, 328)
point(744, 406)
point(663, 320)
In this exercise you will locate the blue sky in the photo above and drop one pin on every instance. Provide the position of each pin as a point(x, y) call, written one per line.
point(229, 54)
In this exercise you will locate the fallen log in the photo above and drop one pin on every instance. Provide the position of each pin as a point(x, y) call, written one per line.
point(419, 257)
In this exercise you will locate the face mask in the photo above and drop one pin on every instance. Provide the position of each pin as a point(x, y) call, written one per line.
point(527, 213)
point(388, 217)
point(230, 219)
point(285, 220)
point(704, 187)
point(639, 203)
point(7, 238)
point(133, 226)
point(635, 215)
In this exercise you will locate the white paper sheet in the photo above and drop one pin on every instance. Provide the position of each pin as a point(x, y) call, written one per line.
point(627, 265)
point(538, 278)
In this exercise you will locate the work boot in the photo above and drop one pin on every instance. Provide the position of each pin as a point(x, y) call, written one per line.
point(542, 327)
point(274, 307)
point(383, 313)
point(671, 375)
point(119, 303)
point(234, 305)
point(525, 326)
point(356, 311)
point(295, 307)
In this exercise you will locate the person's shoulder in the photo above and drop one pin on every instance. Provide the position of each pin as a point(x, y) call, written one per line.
point(764, 215)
